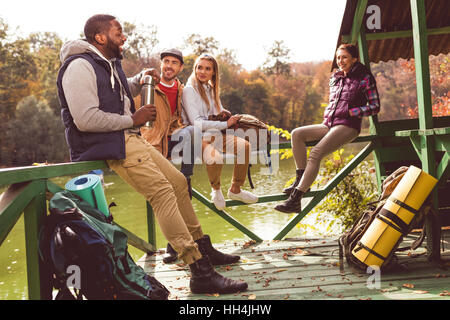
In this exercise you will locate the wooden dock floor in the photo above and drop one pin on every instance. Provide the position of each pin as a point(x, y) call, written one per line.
point(303, 269)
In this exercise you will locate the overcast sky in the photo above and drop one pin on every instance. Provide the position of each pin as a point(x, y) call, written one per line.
point(249, 27)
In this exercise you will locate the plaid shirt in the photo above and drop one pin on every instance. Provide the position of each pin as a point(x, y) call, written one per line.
point(373, 100)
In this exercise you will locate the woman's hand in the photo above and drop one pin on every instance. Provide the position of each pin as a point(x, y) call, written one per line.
point(226, 113)
point(233, 121)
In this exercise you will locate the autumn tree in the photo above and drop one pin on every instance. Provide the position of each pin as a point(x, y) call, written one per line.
point(277, 62)
point(139, 49)
point(45, 48)
point(200, 45)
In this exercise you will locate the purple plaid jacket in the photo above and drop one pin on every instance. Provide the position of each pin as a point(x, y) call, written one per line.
point(351, 97)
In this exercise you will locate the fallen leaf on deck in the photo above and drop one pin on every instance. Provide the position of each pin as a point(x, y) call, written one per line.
point(420, 291)
point(281, 270)
point(408, 285)
point(251, 297)
point(248, 244)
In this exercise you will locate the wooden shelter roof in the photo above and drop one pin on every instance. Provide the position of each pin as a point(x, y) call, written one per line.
point(396, 24)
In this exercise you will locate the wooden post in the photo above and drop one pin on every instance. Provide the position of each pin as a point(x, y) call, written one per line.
point(151, 226)
point(39, 286)
point(357, 20)
point(373, 120)
point(427, 156)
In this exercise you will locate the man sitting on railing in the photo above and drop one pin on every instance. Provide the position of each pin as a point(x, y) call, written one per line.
point(102, 124)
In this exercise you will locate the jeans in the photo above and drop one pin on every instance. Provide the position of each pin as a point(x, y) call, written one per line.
point(182, 144)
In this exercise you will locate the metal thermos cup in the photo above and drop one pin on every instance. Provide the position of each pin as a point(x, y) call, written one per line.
point(148, 94)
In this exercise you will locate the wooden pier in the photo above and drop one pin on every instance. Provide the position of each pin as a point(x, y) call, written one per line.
point(305, 269)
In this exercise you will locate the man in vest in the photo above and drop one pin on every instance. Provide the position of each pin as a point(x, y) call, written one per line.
point(102, 124)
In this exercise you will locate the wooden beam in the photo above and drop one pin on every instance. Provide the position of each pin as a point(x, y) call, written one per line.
point(197, 195)
point(419, 24)
point(330, 186)
point(396, 34)
point(423, 84)
point(16, 175)
point(39, 282)
point(373, 120)
point(12, 203)
point(357, 20)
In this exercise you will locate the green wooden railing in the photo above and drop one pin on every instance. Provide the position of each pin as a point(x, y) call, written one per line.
point(393, 143)
point(28, 189)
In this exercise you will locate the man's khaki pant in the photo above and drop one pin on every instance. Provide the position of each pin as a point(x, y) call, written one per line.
point(213, 151)
point(165, 188)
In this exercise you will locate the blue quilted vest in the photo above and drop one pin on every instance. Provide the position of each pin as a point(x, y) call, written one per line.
point(85, 146)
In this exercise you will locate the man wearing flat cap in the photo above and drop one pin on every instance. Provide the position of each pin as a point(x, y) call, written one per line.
point(168, 103)
point(168, 132)
point(168, 129)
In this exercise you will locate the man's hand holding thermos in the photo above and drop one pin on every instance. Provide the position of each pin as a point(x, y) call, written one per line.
point(146, 114)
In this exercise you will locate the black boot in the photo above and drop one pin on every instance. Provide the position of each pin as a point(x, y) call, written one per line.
point(204, 279)
point(171, 255)
point(216, 257)
point(293, 204)
point(299, 173)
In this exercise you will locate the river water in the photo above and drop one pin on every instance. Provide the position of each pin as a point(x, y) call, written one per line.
point(130, 212)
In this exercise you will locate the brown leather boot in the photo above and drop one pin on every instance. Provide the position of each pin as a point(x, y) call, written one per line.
point(204, 279)
point(293, 204)
point(299, 173)
point(171, 255)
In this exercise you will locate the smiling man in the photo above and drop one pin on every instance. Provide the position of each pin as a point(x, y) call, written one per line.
point(102, 124)
point(168, 129)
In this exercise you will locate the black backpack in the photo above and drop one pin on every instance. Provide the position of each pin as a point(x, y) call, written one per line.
point(80, 248)
point(351, 238)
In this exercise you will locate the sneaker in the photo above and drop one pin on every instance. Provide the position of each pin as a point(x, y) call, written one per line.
point(243, 196)
point(218, 199)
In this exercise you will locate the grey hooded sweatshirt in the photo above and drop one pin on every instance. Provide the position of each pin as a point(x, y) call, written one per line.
point(80, 89)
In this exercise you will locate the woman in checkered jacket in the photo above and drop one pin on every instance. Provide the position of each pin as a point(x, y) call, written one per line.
point(353, 95)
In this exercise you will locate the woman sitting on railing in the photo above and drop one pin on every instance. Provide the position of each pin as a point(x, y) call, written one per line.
point(201, 100)
point(353, 94)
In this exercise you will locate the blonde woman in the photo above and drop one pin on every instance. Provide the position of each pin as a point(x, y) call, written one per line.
point(201, 100)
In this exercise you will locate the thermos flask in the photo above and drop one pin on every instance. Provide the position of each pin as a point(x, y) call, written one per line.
point(148, 94)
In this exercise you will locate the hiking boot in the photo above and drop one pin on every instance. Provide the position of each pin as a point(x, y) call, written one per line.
point(171, 255)
point(243, 196)
point(216, 257)
point(204, 279)
point(293, 204)
point(299, 173)
point(218, 199)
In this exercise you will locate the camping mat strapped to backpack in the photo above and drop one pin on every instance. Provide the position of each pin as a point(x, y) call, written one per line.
point(76, 234)
point(374, 238)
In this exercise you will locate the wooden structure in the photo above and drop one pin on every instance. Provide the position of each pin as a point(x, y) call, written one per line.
point(424, 141)
point(407, 29)
point(308, 269)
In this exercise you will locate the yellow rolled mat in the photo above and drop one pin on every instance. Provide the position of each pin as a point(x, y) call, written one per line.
point(397, 213)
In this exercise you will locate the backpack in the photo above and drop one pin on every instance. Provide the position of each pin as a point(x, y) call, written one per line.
point(78, 246)
point(350, 239)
